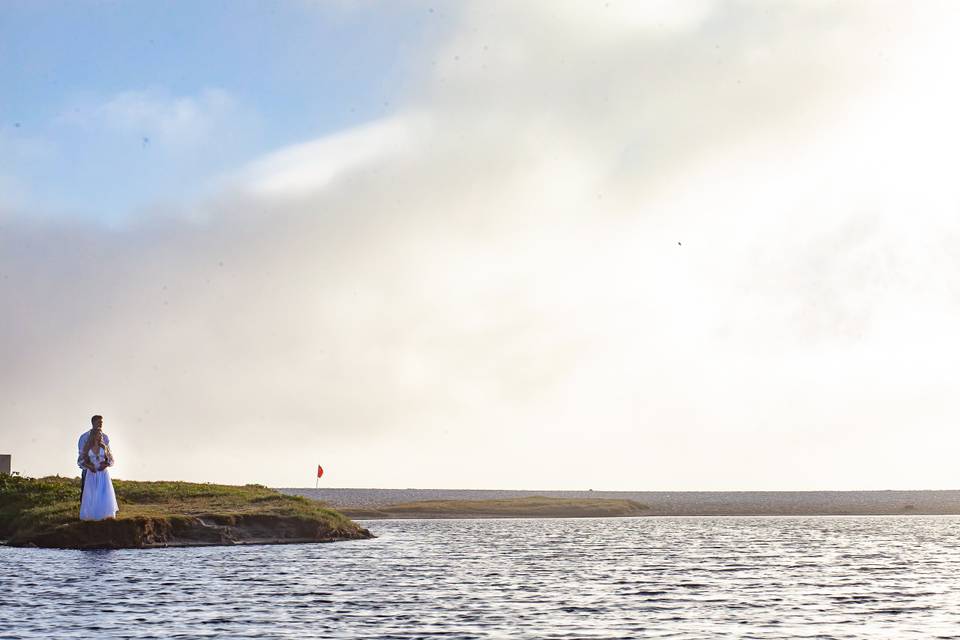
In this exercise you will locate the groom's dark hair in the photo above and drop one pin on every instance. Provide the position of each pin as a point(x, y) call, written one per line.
point(94, 419)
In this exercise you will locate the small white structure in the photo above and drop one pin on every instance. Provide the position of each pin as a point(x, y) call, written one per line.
point(5, 463)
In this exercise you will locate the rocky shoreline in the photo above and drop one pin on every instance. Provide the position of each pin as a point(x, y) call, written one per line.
point(187, 531)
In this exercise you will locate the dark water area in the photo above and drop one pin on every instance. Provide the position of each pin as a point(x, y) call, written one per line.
point(777, 577)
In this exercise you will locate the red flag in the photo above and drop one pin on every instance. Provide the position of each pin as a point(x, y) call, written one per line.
point(319, 471)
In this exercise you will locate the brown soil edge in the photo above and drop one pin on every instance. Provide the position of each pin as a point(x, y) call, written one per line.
point(190, 531)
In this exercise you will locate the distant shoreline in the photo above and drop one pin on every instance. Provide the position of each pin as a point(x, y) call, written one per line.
point(481, 503)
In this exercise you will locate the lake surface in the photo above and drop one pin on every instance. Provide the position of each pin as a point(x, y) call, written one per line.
point(783, 577)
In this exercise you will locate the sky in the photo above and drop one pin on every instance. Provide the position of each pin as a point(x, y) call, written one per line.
point(670, 245)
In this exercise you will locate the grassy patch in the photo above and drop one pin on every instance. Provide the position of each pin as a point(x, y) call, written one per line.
point(28, 503)
point(528, 507)
point(32, 505)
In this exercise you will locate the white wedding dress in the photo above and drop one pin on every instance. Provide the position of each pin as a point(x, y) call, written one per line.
point(99, 500)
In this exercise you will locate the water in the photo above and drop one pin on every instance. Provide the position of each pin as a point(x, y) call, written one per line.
point(796, 577)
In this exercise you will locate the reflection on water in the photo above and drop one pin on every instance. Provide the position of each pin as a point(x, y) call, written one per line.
point(878, 577)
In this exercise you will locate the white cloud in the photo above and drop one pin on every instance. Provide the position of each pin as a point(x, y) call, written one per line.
point(309, 167)
point(156, 116)
point(623, 18)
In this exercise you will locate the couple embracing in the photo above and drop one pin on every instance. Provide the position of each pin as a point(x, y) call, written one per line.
point(97, 499)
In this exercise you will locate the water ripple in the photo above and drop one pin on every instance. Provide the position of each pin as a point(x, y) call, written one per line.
point(760, 578)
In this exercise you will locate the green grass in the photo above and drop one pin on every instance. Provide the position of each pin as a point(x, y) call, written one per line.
point(527, 507)
point(30, 505)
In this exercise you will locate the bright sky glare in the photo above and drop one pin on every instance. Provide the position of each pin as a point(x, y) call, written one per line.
point(663, 245)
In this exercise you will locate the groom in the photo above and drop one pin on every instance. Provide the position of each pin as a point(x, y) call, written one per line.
point(82, 461)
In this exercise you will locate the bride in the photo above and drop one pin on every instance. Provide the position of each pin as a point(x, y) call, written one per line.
point(99, 501)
